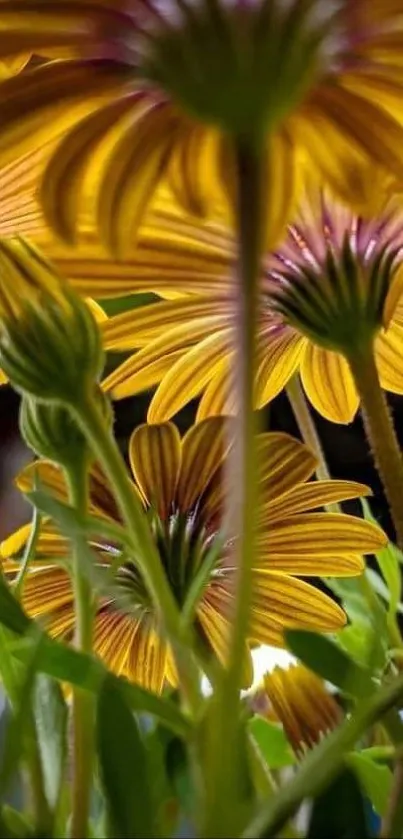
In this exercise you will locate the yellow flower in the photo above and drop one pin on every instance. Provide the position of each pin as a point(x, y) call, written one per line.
point(185, 344)
point(180, 484)
point(300, 701)
point(327, 78)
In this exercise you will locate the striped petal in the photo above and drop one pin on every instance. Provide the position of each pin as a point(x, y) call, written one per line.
point(137, 327)
point(187, 378)
point(45, 591)
point(50, 544)
point(193, 174)
point(138, 372)
point(217, 630)
point(282, 351)
point(146, 662)
point(114, 634)
point(204, 448)
point(311, 496)
point(339, 565)
point(321, 534)
point(219, 397)
point(155, 459)
point(329, 384)
point(283, 463)
point(295, 603)
point(388, 354)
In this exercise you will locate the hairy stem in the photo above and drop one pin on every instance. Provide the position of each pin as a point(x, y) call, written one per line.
point(380, 432)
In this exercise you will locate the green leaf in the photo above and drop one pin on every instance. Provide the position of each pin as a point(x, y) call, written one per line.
point(124, 766)
point(69, 665)
point(330, 662)
point(14, 825)
point(340, 811)
point(50, 713)
point(272, 743)
point(376, 781)
point(12, 614)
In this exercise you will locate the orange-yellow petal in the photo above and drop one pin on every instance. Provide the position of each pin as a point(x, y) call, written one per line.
point(155, 459)
point(329, 384)
point(204, 447)
point(283, 462)
point(321, 534)
point(282, 349)
point(389, 354)
point(310, 496)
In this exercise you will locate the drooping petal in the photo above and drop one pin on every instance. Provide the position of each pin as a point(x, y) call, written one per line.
point(283, 462)
point(281, 354)
point(155, 459)
point(310, 496)
point(204, 447)
point(389, 354)
point(187, 378)
point(219, 397)
point(321, 534)
point(329, 384)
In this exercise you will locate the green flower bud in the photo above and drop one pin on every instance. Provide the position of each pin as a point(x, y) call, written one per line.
point(50, 344)
point(51, 431)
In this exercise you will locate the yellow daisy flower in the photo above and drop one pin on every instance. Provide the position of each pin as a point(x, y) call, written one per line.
point(180, 485)
point(325, 77)
point(184, 344)
point(300, 701)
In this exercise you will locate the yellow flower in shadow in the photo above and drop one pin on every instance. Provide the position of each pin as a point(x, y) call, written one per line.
point(180, 483)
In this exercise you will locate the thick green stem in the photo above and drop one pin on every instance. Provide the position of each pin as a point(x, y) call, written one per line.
point(83, 701)
point(107, 453)
point(223, 774)
point(380, 432)
point(306, 425)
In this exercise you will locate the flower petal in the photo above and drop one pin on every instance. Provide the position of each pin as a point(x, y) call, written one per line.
point(114, 634)
point(155, 458)
point(283, 463)
point(187, 378)
point(321, 534)
point(147, 657)
point(295, 603)
point(309, 497)
point(45, 591)
point(329, 384)
point(388, 354)
point(217, 630)
point(219, 397)
point(283, 348)
point(204, 448)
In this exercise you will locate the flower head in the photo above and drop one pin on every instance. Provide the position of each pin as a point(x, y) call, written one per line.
point(335, 281)
point(180, 484)
point(151, 91)
point(300, 701)
point(50, 345)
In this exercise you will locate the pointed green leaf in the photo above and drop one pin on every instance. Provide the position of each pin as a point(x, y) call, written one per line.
point(326, 659)
point(272, 743)
point(50, 713)
point(124, 766)
point(12, 614)
point(376, 781)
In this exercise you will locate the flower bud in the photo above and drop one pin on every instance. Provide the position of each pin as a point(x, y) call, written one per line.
point(50, 344)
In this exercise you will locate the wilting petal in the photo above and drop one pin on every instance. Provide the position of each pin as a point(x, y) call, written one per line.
point(282, 349)
point(321, 534)
point(329, 384)
point(283, 462)
point(389, 354)
point(147, 657)
point(217, 630)
point(187, 378)
point(309, 497)
point(204, 447)
point(135, 328)
point(155, 458)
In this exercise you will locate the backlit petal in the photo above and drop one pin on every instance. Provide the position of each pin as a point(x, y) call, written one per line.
point(339, 565)
point(187, 378)
point(389, 354)
point(217, 631)
point(219, 397)
point(147, 657)
point(282, 349)
point(113, 636)
point(321, 534)
point(310, 496)
point(329, 384)
point(295, 603)
point(204, 447)
point(283, 462)
point(155, 459)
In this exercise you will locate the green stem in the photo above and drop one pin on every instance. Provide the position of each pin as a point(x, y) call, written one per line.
point(306, 425)
point(29, 553)
point(107, 453)
point(83, 703)
point(380, 432)
point(322, 764)
point(224, 770)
